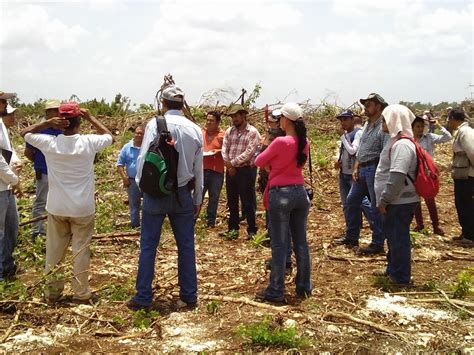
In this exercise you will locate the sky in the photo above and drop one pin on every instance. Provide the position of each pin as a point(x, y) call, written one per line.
point(335, 51)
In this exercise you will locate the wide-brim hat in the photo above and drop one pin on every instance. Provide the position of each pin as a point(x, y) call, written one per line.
point(236, 108)
point(376, 98)
point(52, 104)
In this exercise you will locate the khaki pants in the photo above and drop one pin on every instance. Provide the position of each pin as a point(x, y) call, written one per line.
point(60, 232)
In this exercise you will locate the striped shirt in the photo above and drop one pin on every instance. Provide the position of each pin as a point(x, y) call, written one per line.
point(240, 146)
point(372, 142)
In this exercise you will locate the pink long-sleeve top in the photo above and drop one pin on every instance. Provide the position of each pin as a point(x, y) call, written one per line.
point(281, 157)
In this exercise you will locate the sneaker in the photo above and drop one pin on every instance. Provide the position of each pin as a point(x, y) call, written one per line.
point(418, 228)
point(262, 297)
point(10, 275)
point(303, 294)
point(92, 300)
point(180, 304)
point(345, 241)
point(437, 230)
point(371, 249)
point(135, 306)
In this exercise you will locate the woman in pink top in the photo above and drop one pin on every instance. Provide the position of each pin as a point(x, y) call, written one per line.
point(287, 203)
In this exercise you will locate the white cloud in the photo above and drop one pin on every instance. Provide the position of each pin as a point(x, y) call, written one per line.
point(30, 27)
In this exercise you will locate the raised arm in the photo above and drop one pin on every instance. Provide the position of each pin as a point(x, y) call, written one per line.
point(99, 126)
point(55, 122)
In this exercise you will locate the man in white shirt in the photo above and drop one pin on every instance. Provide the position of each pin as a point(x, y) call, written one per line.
point(9, 186)
point(182, 207)
point(70, 203)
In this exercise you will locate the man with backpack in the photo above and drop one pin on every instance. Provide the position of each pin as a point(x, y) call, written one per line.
point(463, 172)
point(176, 142)
point(395, 191)
point(372, 142)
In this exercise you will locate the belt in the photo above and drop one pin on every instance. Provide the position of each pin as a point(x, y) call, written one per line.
point(283, 186)
point(370, 162)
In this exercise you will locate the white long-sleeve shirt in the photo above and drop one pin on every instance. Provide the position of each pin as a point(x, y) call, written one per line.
point(8, 178)
point(189, 144)
point(427, 141)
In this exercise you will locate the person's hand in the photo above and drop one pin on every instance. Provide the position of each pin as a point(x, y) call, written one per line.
point(228, 164)
point(355, 175)
point(338, 165)
point(232, 171)
point(17, 166)
point(382, 209)
point(17, 190)
point(86, 114)
point(268, 168)
point(197, 210)
point(59, 123)
point(126, 182)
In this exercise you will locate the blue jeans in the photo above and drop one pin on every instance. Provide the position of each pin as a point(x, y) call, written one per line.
point(345, 184)
point(288, 248)
point(288, 208)
point(363, 188)
point(397, 231)
point(8, 231)
point(242, 185)
point(39, 206)
point(213, 182)
point(134, 202)
point(181, 216)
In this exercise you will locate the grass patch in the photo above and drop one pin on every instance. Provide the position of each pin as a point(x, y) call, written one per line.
point(273, 334)
point(143, 319)
point(383, 283)
point(462, 287)
point(212, 307)
point(116, 292)
point(259, 239)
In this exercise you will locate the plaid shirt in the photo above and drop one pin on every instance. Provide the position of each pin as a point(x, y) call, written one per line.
point(240, 146)
point(372, 142)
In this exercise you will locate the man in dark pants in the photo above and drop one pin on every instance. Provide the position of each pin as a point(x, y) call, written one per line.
point(371, 144)
point(463, 172)
point(240, 145)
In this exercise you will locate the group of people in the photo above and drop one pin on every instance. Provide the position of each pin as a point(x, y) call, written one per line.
point(377, 167)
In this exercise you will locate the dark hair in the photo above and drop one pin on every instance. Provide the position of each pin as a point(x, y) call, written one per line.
point(216, 114)
point(74, 122)
point(457, 114)
point(300, 128)
point(173, 105)
point(418, 119)
point(357, 119)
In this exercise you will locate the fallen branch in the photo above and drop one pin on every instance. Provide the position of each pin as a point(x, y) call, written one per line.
point(245, 301)
point(26, 302)
point(452, 303)
point(442, 300)
point(450, 256)
point(33, 220)
point(10, 328)
point(116, 235)
point(373, 325)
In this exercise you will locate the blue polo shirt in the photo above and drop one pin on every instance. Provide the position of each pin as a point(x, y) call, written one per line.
point(128, 158)
point(40, 162)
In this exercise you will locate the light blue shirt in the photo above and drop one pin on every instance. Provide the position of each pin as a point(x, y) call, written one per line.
point(128, 158)
point(189, 144)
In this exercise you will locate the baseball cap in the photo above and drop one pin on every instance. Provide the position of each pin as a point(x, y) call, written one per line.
point(10, 109)
point(6, 95)
point(275, 116)
point(236, 108)
point(173, 93)
point(69, 109)
point(53, 103)
point(292, 111)
point(345, 114)
point(374, 97)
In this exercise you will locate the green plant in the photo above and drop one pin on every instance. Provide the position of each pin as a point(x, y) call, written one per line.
point(212, 307)
point(271, 333)
point(231, 235)
point(259, 238)
point(430, 285)
point(143, 319)
point(116, 292)
point(13, 290)
point(464, 284)
point(414, 239)
point(382, 282)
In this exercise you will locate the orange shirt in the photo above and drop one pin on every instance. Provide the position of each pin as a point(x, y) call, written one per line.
point(212, 142)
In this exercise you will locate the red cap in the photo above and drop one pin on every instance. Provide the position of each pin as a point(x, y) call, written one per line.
point(70, 109)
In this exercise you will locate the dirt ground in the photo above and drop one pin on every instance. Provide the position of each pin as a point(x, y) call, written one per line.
point(346, 313)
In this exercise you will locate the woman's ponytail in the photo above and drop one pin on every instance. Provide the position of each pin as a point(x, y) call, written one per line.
point(300, 128)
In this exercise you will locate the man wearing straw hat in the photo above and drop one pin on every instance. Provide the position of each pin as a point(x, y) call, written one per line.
point(41, 171)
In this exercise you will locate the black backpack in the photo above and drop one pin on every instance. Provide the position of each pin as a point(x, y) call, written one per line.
point(160, 169)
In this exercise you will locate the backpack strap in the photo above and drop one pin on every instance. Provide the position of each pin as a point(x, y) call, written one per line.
point(413, 141)
point(161, 125)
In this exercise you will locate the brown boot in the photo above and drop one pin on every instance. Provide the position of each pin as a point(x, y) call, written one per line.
point(437, 230)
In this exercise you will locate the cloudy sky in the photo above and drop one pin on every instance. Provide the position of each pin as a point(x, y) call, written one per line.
point(414, 50)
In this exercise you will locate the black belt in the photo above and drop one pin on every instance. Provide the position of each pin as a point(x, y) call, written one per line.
point(283, 186)
point(370, 162)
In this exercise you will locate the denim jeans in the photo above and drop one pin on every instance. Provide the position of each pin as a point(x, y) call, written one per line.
point(289, 249)
point(213, 182)
point(397, 231)
point(134, 202)
point(8, 231)
point(181, 216)
point(39, 206)
point(288, 208)
point(242, 185)
point(363, 188)
point(345, 184)
point(464, 200)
